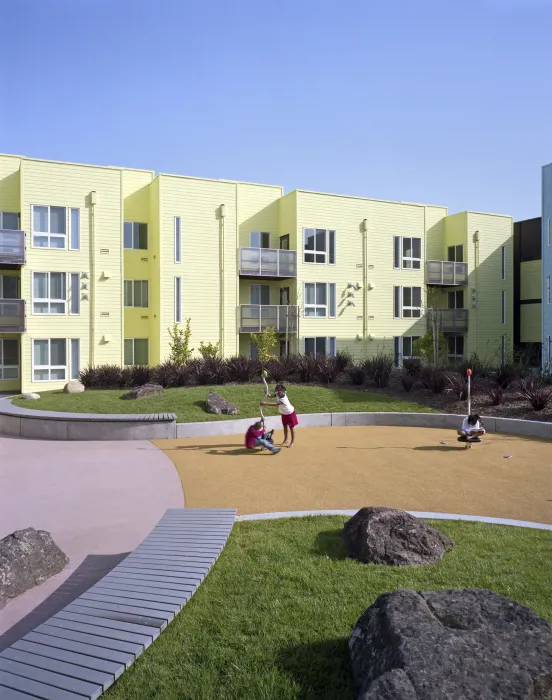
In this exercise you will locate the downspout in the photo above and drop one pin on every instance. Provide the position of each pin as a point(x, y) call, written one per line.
point(476, 261)
point(365, 278)
point(238, 258)
point(122, 268)
point(91, 359)
point(222, 211)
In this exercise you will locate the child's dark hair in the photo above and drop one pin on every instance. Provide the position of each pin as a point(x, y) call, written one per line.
point(473, 418)
point(257, 425)
point(280, 387)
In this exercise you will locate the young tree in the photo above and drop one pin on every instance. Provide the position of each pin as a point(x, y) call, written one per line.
point(181, 352)
point(208, 350)
point(265, 342)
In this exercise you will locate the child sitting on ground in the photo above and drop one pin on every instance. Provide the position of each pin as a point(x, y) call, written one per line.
point(255, 438)
point(289, 417)
point(471, 429)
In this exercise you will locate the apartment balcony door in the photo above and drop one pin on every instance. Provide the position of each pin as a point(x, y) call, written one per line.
point(284, 242)
point(284, 296)
point(260, 294)
point(456, 299)
point(258, 239)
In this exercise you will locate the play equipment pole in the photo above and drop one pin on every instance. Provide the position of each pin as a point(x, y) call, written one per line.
point(469, 373)
point(264, 375)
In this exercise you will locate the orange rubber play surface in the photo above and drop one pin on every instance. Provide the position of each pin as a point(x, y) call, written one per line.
point(351, 467)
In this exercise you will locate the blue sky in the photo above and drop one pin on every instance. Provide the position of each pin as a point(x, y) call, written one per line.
point(429, 100)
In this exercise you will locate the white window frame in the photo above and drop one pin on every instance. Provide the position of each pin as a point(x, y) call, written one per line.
point(329, 313)
point(330, 342)
point(70, 358)
point(177, 300)
point(402, 306)
point(326, 253)
point(178, 239)
point(69, 290)
point(49, 367)
point(134, 351)
point(4, 366)
point(133, 305)
point(48, 299)
point(402, 257)
point(398, 343)
point(136, 223)
point(70, 228)
point(503, 310)
point(47, 234)
point(261, 234)
point(503, 261)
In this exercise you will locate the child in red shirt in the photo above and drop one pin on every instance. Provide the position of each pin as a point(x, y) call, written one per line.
point(254, 438)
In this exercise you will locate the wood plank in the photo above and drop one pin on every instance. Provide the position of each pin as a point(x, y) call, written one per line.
point(10, 694)
point(101, 678)
point(148, 581)
point(35, 689)
point(91, 662)
point(163, 558)
point(87, 649)
point(174, 574)
point(152, 632)
point(56, 680)
point(168, 566)
point(193, 554)
point(159, 617)
point(88, 628)
point(102, 589)
point(107, 612)
point(168, 608)
point(83, 638)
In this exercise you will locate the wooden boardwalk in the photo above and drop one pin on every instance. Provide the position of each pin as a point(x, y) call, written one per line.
point(79, 652)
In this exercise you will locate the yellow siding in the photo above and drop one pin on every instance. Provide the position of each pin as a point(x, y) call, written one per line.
point(530, 323)
point(10, 195)
point(136, 194)
point(530, 280)
point(435, 232)
point(257, 210)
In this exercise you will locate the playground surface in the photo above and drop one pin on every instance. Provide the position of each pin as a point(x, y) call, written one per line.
point(351, 467)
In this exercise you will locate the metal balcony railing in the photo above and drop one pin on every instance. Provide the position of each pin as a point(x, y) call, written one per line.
point(254, 318)
point(449, 320)
point(268, 262)
point(12, 247)
point(447, 273)
point(12, 315)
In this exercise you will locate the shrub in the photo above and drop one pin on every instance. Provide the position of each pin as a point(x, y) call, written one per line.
point(474, 363)
point(357, 374)
point(307, 367)
point(265, 342)
point(423, 347)
point(289, 364)
point(496, 395)
point(434, 379)
point(108, 377)
point(138, 375)
point(243, 369)
point(379, 369)
point(458, 385)
point(328, 369)
point(171, 374)
point(211, 371)
point(536, 392)
point(276, 369)
point(408, 379)
point(412, 365)
point(343, 359)
point(208, 350)
point(89, 378)
point(505, 375)
point(181, 352)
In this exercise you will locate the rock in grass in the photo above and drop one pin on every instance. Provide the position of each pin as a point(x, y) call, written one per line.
point(27, 558)
point(394, 537)
point(217, 404)
point(73, 387)
point(30, 396)
point(469, 644)
point(144, 391)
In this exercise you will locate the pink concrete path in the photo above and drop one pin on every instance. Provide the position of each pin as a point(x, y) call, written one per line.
point(97, 499)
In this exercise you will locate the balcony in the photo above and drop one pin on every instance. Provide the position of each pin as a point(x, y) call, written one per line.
point(440, 272)
point(12, 247)
point(12, 315)
point(449, 320)
point(268, 262)
point(255, 318)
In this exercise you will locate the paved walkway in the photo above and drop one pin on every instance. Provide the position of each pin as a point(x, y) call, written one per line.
point(351, 467)
point(98, 500)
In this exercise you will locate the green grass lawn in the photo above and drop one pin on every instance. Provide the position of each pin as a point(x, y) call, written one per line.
point(272, 619)
point(189, 403)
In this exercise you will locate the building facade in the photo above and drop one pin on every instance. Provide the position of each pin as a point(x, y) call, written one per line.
point(528, 290)
point(546, 267)
point(98, 263)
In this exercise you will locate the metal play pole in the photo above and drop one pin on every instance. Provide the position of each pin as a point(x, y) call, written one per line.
point(469, 373)
point(264, 375)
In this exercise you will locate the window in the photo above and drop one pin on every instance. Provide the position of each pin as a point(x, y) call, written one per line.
point(407, 302)
point(503, 350)
point(136, 294)
point(319, 246)
point(503, 262)
point(74, 293)
point(503, 307)
point(404, 348)
point(75, 358)
point(253, 352)
point(456, 299)
point(49, 227)
point(9, 287)
point(455, 253)
point(407, 253)
point(548, 230)
point(548, 289)
point(9, 358)
point(135, 236)
point(455, 347)
point(50, 360)
point(9, 221)
point(260, 294)
point(136, 351)
point(74, 229)
point(320, 300)
point(177, 239)
point(259, 240)
point(178, 299)
point(49, 293)
point(320, 346)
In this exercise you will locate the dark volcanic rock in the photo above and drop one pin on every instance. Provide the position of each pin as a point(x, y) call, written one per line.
point(217, 404)
point(468, 644)
point(144, 391)
point(388, 536)
point(27, 558)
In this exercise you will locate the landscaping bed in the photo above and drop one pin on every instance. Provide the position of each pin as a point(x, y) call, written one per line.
point(272, 619)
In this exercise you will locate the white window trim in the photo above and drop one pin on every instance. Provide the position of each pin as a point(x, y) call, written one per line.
point(69, 294)
point(48, 234)
point(325, 253)
point(261, 234)
point(3, 366)
point(70, 358)
point(503, 309)
point(48, 298)
point(402, 257)
point(70, 227)
point(328, 340)
point(134, 223)
point(177, 317)
point(134, 352)
point(48, 367)
point(325, 306)
point(178, 239)
point(401, 355)
point(402, 307)
point(132, 306)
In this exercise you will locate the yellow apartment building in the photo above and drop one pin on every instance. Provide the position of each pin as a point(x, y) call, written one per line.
point(97, 263)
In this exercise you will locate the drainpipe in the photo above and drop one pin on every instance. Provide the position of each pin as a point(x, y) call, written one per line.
point(365, 277)
point(476, 262)
point(93, 200)
point(237, 269)
point(222, 211)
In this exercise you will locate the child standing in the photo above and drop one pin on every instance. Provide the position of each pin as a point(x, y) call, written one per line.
point(286, 410)
point(254, 438)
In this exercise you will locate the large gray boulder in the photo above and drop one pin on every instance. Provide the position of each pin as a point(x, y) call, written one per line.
point(217, 404)
point(388, 536)
point(73, 387)
point(27, 558)
point(468, 644)
point(144, 391)
point(30, 396)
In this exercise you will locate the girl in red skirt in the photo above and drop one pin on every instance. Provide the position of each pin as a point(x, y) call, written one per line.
point(286, 410)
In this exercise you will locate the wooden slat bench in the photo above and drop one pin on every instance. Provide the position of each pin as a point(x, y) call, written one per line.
point(80, 651)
